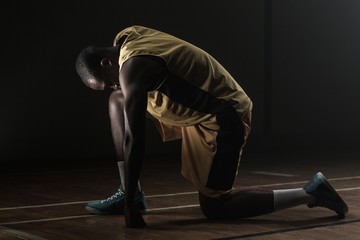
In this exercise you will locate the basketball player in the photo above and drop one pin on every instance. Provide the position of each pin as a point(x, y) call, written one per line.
point(191, 96)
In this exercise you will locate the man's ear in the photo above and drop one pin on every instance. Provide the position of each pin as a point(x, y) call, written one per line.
point(105, 62)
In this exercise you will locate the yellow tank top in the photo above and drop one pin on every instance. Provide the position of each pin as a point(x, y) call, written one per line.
point(190, 63)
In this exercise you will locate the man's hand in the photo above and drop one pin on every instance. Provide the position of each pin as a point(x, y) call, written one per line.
point(133, 218)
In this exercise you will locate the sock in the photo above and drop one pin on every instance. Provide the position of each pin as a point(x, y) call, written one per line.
point(290, 198)
point(122, 176)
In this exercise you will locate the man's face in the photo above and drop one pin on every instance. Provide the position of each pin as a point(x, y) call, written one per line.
point(101, 85)
point(108, 78)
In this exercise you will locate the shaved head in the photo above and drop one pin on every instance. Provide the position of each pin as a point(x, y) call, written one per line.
point(90, 67)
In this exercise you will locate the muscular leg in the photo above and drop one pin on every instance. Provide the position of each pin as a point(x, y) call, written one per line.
point(240, 203)
point(251, 203)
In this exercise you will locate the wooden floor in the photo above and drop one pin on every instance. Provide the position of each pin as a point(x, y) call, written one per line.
point(47, 202)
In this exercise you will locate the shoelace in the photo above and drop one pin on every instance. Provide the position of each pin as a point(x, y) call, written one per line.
point(116, 195)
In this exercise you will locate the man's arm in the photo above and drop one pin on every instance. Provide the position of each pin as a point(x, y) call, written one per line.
point(116, 115)
point(133, 81)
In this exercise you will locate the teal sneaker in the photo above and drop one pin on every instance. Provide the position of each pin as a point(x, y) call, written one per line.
point(325, 195)
point(115, 204)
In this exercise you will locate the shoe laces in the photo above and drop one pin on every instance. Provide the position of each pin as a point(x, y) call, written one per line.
point(116, 195)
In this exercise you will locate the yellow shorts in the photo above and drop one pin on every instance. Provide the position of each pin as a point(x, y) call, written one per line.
point(206, 154)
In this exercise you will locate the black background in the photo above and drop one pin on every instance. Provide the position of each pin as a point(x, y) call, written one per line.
point(299, 61)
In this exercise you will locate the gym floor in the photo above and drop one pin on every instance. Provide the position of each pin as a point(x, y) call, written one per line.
point(47, 201)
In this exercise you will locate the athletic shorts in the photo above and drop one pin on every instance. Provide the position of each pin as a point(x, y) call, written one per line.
point(210, 159)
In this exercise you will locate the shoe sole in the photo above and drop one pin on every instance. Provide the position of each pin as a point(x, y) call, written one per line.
point(98, 212)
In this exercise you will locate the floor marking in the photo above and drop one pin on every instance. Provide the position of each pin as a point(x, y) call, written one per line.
point(82, 202)
point(149, 210)
point(47, 219)
point(302, 182)
point(91, 215)
point(348, 189)
point(275, 174)
point(171, 208)
point(19, 234)
point(183, 193)
point(292, 229)
point(170, 194)
point(344, 178)
point(278, 184)
point(43, 205)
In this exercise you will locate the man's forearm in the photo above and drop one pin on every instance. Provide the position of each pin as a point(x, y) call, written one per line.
point(134, 155)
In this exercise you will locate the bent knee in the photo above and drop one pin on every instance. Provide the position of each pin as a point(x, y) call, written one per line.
point(211, 207)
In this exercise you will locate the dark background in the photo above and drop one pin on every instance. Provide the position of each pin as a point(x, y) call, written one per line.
point(299, 61)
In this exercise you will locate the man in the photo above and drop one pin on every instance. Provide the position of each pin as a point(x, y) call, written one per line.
point(189, 95)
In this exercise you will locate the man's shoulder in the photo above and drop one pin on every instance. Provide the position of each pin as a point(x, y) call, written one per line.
point(146, 66)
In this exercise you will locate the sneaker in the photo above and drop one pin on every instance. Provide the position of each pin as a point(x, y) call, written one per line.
point(325, 195)
point(115, 204)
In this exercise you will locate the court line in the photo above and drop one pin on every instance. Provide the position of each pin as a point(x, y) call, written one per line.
point(90, 215)
point(274, 174)
point(47, 219)
point(302, 182)
point(149, 210)
point(348, 189)
point(182, 193)
point(82, 202)
point(293, 229)
point(171, 208)
point(19, 234)
point(43, 205)
point(170, 194)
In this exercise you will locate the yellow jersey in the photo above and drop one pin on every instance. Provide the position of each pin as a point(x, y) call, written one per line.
point(203, 85)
